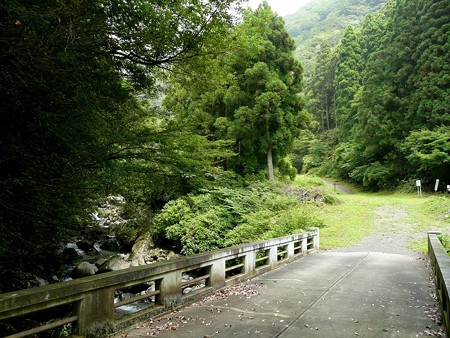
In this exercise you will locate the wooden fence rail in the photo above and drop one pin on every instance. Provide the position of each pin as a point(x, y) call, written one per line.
point(93, 301)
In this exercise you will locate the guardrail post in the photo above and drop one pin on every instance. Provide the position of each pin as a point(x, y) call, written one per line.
point(250, 263)
point(96, 307)
point(170, 290)
point(316, 239)
point(217, 273)
point(305, 245)
point(273, 256)
point(290, 250)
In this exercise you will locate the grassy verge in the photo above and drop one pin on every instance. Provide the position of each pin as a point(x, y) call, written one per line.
point(349, 221)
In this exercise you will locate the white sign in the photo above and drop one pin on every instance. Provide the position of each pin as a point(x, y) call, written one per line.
point(418, 183)
point(436, 186)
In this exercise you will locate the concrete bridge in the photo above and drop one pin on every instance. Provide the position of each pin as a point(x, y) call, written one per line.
point(326, 294)
point(285, 287)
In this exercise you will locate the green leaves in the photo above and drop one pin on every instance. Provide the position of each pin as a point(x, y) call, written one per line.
point(391, 83)
point(428, 152)
point(223, 217)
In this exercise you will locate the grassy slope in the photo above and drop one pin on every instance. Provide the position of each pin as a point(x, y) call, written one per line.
point(353, 218)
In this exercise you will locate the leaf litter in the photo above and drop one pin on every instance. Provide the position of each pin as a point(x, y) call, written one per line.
point(173, 322)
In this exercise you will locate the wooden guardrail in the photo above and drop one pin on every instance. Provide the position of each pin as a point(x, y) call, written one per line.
point(440, 261)
point(81, 304)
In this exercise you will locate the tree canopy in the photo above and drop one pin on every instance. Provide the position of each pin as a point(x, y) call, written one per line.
point(391, 89)
point(77, 119)
point(254, 101)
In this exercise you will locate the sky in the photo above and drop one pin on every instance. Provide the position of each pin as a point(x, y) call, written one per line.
point(282, 7)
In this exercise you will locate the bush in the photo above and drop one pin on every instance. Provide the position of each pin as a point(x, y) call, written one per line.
point(223, 217)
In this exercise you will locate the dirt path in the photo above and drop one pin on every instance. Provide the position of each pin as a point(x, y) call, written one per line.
point(339, 188)
point(392, 235)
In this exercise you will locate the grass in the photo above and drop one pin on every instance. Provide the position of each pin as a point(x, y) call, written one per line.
point(349, 221)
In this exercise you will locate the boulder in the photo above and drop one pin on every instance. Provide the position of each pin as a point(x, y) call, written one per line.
point(110, 245)
point(145, 248)
point(84, 245)
point(115, 263)
point(84, 269)
point(69, 253)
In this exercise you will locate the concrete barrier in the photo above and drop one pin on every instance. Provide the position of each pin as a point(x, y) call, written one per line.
point(91, 301)
point(440, 261)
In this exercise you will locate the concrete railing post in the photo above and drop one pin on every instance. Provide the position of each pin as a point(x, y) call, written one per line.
point(273, 256)
point(96, 307)
point(304, 245)
point(170, 290)
point(316, 240)
point(290, 250)
point(217, 274)
point(250, 263)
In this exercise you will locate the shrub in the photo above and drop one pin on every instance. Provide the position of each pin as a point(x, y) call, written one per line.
point(222, 217)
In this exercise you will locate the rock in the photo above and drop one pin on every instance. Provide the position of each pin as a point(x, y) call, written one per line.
point(137, 259)
point(69, 253)
point(100, 262)
point(110, 245)
point(172, 255)
point(187, 290)
point(143, 246)
point(115, 263)
point(84, 269)
point(83, 245)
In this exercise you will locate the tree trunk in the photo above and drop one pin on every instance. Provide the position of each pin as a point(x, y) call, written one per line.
point(269, 151)
point(270, 164)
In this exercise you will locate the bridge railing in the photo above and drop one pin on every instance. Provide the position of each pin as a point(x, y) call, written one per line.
point(158, 288)
point(440, 261)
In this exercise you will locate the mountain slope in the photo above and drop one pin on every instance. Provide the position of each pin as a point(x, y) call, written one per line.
point(322, 20)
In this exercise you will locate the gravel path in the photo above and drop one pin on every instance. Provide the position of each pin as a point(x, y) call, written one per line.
point(339, 188)
point(393, 234)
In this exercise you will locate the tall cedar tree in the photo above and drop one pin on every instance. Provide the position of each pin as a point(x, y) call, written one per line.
point(254, 100)
point(405, 90)
point(321, 94)
point(348, 81)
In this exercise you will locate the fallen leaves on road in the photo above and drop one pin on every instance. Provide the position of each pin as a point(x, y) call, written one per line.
point(174, 322)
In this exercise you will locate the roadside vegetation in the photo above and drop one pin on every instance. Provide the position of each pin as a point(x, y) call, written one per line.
point(222, 217)
point(352, 218)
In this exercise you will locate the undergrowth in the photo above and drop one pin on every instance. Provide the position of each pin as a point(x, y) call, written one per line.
point(222, 217)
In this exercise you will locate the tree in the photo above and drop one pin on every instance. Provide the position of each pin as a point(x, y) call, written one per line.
point(348, 81)
point(321, 94)
point(70, 121)
point(404, 90)
point(255, 103)
point(428, 153)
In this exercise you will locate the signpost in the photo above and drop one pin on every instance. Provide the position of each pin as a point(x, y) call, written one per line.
point(419, 187)
point(436, 186)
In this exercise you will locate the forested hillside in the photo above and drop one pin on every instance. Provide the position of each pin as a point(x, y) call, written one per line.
point(82, 120)
point(381, 98)
point(325, 20)
point(194, 113)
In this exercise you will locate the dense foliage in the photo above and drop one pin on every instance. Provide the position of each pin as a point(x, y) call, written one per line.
point(71, 126)
point(252, 99)
point(383, 93)
point(81, 86)
point(178, 105)
point(222, 217)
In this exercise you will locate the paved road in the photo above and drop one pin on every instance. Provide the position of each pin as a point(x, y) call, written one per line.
point(326, 294)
